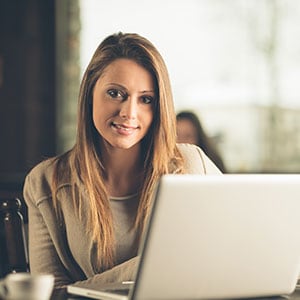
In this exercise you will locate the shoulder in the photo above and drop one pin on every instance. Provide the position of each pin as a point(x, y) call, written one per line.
point(38, 180)
point(196, 161)
point(43, 169)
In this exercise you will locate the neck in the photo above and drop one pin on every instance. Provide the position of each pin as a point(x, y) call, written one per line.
point(123, 170)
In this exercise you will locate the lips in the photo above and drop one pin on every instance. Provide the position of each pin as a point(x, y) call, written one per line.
point(123, 128)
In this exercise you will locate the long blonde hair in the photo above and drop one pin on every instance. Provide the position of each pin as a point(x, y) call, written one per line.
point(159, 151)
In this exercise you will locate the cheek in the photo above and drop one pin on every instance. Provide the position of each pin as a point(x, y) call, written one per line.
point(101, 109)
point(148, 118)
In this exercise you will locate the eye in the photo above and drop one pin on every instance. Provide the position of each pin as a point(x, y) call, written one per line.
point(147, 99)
point(116, 94)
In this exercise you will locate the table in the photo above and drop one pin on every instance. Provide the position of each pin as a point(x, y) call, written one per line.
point(62, 295)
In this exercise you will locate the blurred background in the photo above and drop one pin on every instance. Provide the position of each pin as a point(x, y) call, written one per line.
point(235, 63)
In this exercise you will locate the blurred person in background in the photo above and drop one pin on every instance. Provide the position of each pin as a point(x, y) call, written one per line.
point(190, 130)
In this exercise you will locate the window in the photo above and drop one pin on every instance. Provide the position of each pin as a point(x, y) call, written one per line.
point(236, 63)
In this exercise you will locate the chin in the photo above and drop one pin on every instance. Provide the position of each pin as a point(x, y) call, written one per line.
point(123, 144)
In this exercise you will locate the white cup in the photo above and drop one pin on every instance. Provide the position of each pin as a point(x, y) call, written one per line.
point(25, 286)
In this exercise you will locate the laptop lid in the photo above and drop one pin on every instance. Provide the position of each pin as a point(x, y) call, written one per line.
point(228, 236)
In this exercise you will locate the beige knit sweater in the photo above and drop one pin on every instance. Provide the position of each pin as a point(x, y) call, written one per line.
point(64, 248)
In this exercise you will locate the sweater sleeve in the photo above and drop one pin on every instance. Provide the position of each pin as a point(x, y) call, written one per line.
point(119, 273)
point(196, 161)
point(43, 257)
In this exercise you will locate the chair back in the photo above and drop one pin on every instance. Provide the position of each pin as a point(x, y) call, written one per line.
point(13, 245)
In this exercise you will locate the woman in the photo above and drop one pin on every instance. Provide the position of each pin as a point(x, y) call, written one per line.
point(190, 130)
point(88, 207)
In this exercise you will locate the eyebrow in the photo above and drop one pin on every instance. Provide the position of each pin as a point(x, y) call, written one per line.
point(123, 87)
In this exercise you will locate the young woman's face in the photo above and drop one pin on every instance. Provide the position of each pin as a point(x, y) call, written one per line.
point(186, 132)
point(123, 101)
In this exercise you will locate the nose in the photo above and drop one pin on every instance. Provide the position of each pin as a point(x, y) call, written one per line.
point(129, 109)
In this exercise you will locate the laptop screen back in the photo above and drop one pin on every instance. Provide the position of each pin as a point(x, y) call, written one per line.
point(222, 236)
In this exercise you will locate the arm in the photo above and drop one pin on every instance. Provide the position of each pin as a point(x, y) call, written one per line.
point(209, 167)
point(123, 272)
point(196, 161)
point(43, 256)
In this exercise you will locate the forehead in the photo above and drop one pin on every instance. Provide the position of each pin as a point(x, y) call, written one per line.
point(127, 73)
point(123, 67)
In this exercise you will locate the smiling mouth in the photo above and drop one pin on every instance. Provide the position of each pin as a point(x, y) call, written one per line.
point(123, 127)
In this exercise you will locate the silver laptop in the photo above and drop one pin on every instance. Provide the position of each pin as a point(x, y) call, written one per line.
point(224, 236)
